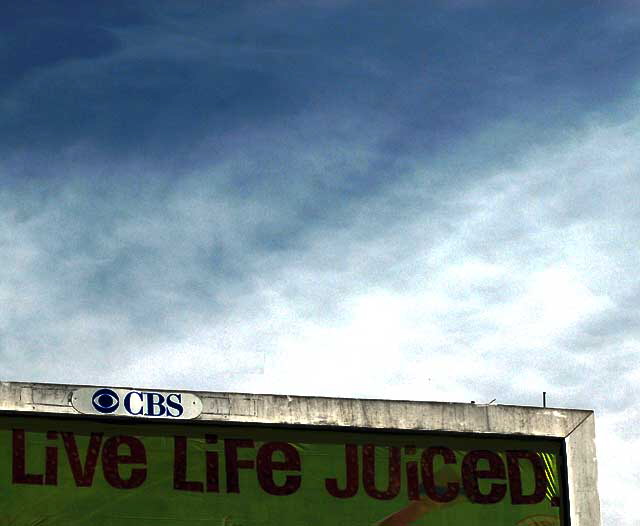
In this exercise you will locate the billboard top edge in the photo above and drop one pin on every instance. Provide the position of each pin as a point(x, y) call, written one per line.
point(290, 396)
point(262, 409)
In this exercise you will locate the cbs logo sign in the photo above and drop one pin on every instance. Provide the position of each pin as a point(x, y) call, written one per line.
point(136, 403)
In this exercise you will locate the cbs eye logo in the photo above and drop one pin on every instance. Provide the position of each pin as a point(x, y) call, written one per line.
point(105, 401)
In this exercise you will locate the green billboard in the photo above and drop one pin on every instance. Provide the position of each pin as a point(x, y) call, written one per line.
point(69, 472)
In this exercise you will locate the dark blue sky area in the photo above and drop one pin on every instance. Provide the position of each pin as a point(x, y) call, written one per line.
point(158, 81)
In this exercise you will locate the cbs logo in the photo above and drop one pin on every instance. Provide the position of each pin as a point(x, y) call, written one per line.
point(138, 403)
point(105, 401)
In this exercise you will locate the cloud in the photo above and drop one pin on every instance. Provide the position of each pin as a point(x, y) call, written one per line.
point(171, 266)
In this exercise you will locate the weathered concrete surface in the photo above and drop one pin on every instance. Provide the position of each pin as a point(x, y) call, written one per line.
point(583, 473)
point(575, 426)
point(338, 412)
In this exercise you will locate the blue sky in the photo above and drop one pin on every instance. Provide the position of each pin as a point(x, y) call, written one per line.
point(429, 200)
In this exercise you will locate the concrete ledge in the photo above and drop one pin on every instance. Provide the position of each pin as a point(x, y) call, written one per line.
point(335, 412)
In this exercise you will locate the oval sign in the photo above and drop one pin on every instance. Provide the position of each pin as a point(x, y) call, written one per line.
point(140, 403)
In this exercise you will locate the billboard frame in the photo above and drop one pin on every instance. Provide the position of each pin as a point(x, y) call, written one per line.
point(574, 427)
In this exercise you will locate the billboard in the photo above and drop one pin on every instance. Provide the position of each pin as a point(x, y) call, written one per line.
point(92, 470)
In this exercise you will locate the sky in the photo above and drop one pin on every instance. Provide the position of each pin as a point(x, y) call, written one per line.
point(407, 200)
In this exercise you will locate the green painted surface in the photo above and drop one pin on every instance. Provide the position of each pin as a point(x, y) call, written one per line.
point(27, 499)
